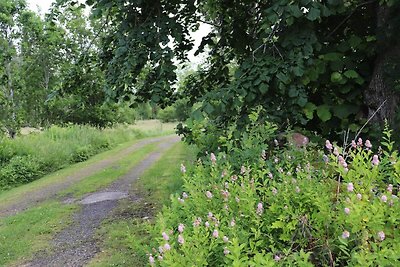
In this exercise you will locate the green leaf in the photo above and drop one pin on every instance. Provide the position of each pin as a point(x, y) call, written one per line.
point(298, 71)
point(313, 14)
point(295, 11)
point(309, 109)
point(293, 92)
point(323, 113)
point(355, 41)
point(301, 101)
point(263, 88)
point(283, 77)
point(351, 74)
point(208, 108)
point(336, 77)
point(343, 111)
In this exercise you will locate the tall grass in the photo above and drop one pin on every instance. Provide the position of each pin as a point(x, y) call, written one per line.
point(27, 158)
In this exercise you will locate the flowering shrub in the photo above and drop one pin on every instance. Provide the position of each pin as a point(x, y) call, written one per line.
point(333, 206)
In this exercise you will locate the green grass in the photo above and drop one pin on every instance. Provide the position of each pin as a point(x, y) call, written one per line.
point(23, 234)
point(126, 236)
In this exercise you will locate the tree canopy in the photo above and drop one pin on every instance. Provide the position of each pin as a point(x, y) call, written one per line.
point(326, 65)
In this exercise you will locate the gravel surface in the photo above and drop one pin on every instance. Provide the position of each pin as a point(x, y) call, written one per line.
point(76, 245)
point(39, 195)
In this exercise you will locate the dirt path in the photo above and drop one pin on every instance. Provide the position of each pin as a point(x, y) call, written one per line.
point(76, 245)
point(39, 195)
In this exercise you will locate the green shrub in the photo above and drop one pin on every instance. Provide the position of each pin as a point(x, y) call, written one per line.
point(167, 114)
point(20, 170)
point(82, 153)
point(326, 207)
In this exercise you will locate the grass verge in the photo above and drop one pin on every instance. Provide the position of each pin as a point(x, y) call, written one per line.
point(13, 195)
point(23, 234)
point(126, 236)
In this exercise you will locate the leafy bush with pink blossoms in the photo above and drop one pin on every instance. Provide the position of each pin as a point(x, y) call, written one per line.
point(292, 206)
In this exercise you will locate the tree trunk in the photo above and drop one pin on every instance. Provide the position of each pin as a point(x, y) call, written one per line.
point(380, 89)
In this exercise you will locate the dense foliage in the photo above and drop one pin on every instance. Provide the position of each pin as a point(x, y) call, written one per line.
point(287, 206)
point(334, 63)
point(48, 69)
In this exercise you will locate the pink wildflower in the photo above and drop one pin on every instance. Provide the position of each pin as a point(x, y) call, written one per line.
point(181, 200)
point(209, 194)
point(183, 168)
point(260, 208)
point(197, 222)
point(215, 233)
point(342, 161)
point(274, 191)
point(350, 187)
point(270, 176)
point(328, 145)
point(345, 234)
point(384, 198)
point(160, 258)
point(368, 144)
point(242, 170)
point(335, 151)
point(224, 173)
point(184, 195)
point(277, 257)
point(359, 142)
point(347, 210)
point(181, 227)
point(213, 158)
point(353, 144)
point(390, 188)
point(225, 194)
point(226, 251)
point(297, 189)
point(233, 223)
point(151, 260)
point(165, 236)
point(381, 235)
point(263, 155)
point(225, 239)
point(375, 160)
point(359, 196)
point(161, 249)
point(233, 178)
point(210, 215)
point(180, 239)
point(207, 224)
point(167, 247)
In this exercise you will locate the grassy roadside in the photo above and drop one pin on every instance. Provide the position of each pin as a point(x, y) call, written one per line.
point(14, 194)
point(24, 234)
point(126, 236)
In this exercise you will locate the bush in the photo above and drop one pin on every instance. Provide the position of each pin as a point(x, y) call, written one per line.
point(294, 208)
point(167, 114)
point(20, 170)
